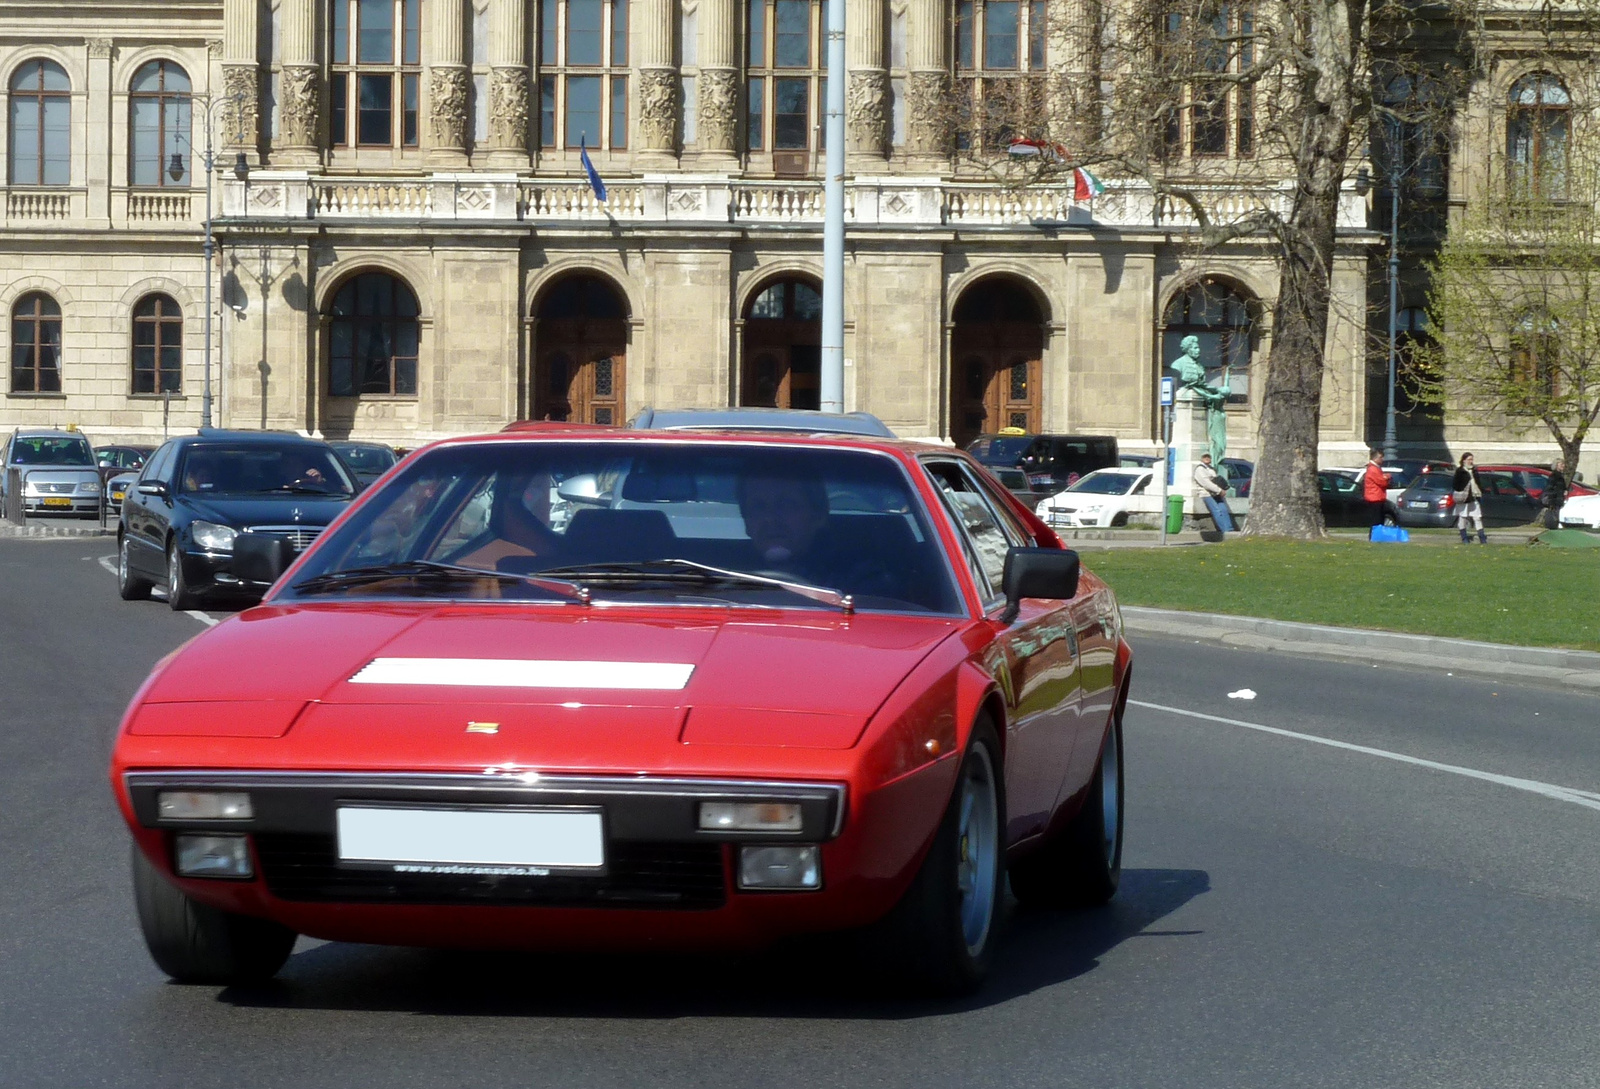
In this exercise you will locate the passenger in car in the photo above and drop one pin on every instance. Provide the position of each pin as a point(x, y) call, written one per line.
point(519, 522)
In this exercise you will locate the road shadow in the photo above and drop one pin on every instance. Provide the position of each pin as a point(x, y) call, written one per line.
point(813, 978)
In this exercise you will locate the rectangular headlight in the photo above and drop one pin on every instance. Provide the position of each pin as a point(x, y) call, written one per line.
point(750, 816)
point(780, 868)
point(203, 805)
point(213, 856)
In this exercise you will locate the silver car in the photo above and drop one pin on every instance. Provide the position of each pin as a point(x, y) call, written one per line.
point(55, 471)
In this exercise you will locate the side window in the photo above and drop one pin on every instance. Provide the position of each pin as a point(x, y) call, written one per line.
point(160, 461)
point(984, 531)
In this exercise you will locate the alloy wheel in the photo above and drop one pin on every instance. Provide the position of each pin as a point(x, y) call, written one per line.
point(978, 842)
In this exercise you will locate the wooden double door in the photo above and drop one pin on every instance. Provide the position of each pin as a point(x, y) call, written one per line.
point(779, 375)
point(995, 380)
point(580, 372)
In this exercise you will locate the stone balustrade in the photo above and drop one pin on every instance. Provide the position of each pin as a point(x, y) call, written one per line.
point(717, 199)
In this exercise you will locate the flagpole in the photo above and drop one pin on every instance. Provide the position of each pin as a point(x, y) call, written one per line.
point(832, 377)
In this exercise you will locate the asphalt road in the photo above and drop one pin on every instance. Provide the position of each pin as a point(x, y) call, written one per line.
point(1293, 913)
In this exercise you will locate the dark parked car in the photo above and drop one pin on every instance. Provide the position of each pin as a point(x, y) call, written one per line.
point(198, 493)
point(1052, 462)
point(368, 460)
point(1430, 501)
point(1342, 504)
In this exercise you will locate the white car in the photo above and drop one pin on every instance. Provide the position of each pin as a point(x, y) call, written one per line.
point(1104, 497)
point(1581, 512)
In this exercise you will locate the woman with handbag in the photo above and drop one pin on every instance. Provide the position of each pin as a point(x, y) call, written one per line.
point(1469, 501)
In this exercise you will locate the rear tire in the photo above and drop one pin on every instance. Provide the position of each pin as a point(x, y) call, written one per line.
point(1082, 865)
point(179, 596)
point(196, 943)
point(942, 934)
point(130, 586)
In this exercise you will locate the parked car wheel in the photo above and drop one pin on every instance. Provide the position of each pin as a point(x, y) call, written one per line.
point(179, 596)
point(129, 585)
point(196, 943)
point(1082, 865)
point(944, 930)
point(1390, 518)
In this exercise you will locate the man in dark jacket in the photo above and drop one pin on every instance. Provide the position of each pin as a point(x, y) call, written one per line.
point(1555, 494)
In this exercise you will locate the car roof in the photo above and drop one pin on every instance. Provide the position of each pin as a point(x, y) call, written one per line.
point(797, 420)
point(264, 438)
point(905, 448)
point(49, 432)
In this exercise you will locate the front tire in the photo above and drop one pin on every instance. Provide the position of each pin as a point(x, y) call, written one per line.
point(130, 586)
point(1082, 865)
point(944, 930)
point(196, 943)
point(179, 596)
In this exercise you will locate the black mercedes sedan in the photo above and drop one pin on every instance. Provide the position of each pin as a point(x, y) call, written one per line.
point(198, 493)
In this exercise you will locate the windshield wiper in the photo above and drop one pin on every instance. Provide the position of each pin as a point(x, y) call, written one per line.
point(308, 489)
point(434, 570)
point(679, 570)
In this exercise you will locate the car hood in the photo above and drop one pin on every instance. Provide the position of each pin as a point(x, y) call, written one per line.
point(580, 680)
point(58, 473)
point(275, 510)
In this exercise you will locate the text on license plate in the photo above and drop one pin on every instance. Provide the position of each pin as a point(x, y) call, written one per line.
point(57, 502)
point(1418, 504)
point(537, 838)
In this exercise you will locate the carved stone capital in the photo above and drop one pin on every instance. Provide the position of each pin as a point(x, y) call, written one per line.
point(508, 109)
point(214, 47)
point(718, 117)
point(99, 48)
point(241, 91)
point(658, 109)
point(299, 93)
point(927, 121)
point(867, 111)
point(449, 90)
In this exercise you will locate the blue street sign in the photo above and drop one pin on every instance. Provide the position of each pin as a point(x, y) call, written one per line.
point(1166, 392)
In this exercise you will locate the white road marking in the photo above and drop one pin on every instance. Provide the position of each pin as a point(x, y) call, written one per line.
point(1586, 798)
point(110, 564)
point(525, 673)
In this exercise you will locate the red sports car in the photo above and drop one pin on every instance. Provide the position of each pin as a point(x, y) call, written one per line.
point(594, 689)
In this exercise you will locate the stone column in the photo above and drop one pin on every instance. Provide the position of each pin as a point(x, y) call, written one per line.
point(717, 123)
point(928, 85)
point(241, 80)
point(300, 88)
point(657, 128)
point(449, 84)
point(508, 85)
point(97, 104)
point(867, 93)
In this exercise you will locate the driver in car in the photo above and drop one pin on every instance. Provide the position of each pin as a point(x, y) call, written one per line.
point(519, 523)
point(783, 516)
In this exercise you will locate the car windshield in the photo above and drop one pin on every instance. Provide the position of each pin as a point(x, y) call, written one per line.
point(364, 458)
point(1002, 449)
point(713, 523)
point(1437, 481)
point(257, 468)
point(51, 450)
point(1105, 484)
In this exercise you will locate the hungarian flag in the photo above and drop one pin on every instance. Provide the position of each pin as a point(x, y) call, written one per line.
point(1085, 185)
point(1022, 149)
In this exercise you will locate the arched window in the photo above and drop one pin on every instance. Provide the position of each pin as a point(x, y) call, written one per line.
point(583, 74)
point(373, 338)
point(373, 88)
point(157, 346)
point(783, 347)
point(582, 351)
point(1537, 127)
point(996, 359)
point(158, 121)
point(1535, 360)
point(41, 125)
point(36, 344)
point(1221, 317)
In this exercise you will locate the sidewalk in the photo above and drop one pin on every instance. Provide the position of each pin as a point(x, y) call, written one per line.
point(65, 528)
point(1574, 669)
point(1090, 539)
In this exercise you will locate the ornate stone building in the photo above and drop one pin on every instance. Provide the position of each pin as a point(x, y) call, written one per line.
point(407, 247)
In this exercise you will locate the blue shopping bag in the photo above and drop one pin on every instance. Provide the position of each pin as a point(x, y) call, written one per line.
point(1389, 535)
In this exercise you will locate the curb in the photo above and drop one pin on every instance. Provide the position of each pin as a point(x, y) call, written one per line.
point(1576, 669)
point(8, 530)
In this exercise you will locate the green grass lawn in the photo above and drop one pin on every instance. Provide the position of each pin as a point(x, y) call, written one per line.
point(1529, 595)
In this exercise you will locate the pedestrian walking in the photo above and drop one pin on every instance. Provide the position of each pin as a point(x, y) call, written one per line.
point(1214, 493)
point(1375, 488)
point(1555, 494)
point(1468, 495)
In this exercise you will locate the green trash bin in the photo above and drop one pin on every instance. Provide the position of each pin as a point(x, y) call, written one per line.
point(1175, 513)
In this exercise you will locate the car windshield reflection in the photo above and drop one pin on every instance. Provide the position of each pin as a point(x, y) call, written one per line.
point(758, 525)
point(261, 469)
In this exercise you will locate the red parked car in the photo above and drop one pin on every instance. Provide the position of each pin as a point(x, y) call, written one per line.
point(1533, 478)
point(748, 686)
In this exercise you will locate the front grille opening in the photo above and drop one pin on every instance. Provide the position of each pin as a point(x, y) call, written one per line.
point(685, 876)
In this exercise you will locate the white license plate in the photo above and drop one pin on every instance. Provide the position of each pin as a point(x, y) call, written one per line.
point(1415, 505)
point(461, 840)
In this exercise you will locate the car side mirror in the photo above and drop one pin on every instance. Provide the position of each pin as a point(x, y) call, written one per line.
point(155, 487)
point(1038, 572)
point(261, 557)
point(584, 490)
point(105, 464)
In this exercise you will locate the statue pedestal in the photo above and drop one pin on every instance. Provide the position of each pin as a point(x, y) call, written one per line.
point(1190, 439)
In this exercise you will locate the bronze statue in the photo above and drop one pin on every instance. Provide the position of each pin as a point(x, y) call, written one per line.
point(1192, 376)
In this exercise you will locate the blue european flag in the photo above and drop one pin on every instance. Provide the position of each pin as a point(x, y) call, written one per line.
point(595, 183)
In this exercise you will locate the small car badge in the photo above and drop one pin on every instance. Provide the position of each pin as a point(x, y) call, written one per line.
point(483, 727)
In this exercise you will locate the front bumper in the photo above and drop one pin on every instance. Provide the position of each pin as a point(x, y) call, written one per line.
point(61, 504)
point(664, 880)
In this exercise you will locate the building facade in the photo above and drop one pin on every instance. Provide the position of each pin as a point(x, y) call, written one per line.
point(407, 246)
